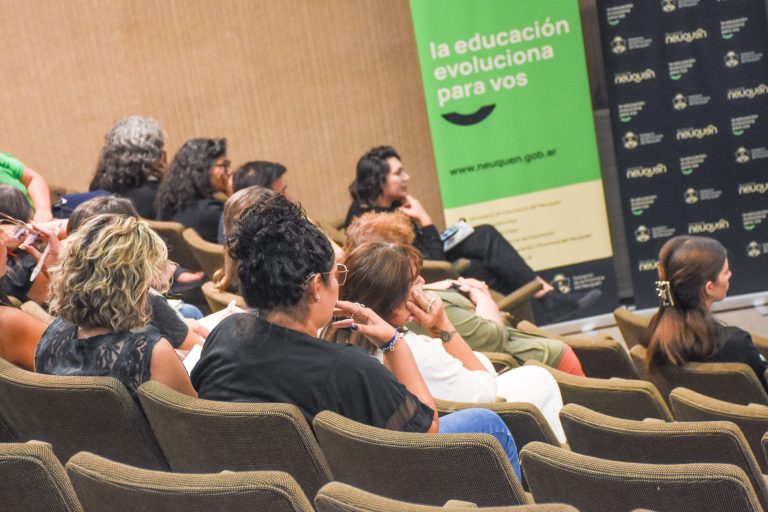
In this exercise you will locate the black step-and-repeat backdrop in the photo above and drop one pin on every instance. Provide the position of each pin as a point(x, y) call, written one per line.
point(688, 90)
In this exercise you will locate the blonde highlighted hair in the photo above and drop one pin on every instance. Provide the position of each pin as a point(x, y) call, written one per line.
point(105, 273)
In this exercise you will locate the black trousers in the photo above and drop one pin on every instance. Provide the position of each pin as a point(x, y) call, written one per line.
point(494, 260)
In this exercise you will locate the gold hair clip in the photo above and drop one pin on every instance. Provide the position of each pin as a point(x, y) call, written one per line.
point(664, 291)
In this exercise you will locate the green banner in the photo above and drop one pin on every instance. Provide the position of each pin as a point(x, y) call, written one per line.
point(509, 108)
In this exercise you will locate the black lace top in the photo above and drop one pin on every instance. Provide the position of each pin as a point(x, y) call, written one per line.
point(125, 355)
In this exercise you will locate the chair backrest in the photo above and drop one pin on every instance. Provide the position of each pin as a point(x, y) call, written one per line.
point(205, 436)
point(524, 420)
point(210, 256)
point(679, 442)
point(102, 484)
point(733, 382)
point(334, 229)
point(33, 480)
point(218, 300)
point(597, 485)
point(35, 310)
point(751, 419)
point(633, 327)
point(78, 413)
point(178, 248)
point(601, 357)
point(633, 399)
point(421, 468)
point(339, 497)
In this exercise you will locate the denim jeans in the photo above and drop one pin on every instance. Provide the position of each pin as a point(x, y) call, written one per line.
point(190, 311)
point(483, 421)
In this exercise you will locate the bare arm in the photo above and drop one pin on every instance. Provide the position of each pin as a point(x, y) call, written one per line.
point(480, 295)
point(429, 314)
point(40, 194)
point(167, 368)
point(398, 361)
point(19, 335)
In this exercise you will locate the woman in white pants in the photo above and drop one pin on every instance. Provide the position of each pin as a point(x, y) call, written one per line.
point(384, 276)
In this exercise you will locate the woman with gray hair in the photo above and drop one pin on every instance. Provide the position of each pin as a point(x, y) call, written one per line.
point(132, 162)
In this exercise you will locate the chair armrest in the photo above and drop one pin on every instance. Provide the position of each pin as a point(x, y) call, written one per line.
point(522, 294)
point(461, 265)
point(437, 270)
point(502, 362)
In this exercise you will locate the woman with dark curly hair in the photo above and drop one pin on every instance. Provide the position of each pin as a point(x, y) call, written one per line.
point(272, 354)
point(132, 162)
point(198, 170)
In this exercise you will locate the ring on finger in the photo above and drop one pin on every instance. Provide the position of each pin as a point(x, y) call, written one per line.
point(431, 303)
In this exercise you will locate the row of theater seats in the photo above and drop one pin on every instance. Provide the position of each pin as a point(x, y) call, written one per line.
point(614, 464)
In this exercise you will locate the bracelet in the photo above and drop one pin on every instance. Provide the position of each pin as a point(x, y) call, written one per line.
point(390, 345)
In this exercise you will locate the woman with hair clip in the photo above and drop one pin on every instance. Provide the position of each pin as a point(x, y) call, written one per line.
point(693, 275)
point(385, 277)
point(289, 278)
point(100, 294)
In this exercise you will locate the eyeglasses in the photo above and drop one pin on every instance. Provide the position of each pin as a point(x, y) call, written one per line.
point(341, 274)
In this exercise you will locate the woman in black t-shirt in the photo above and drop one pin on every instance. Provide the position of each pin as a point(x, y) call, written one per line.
point(693, 275)
point(287, 273)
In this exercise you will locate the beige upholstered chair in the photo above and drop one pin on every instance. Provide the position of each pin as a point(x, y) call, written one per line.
point(518, 303)
point(178, 248)
point(633, 327)
point(218, 300)
point(601, 357)
point(524, 420)
point(632, 399)
point(339, 497)
point(78, 413)
point(733, 382)
point(103, 485)
point(209, 256)
point(751, 419)
point(598, 485)
point(427, 469)
point(205, 436)
point(679, 442)
point(35, 310)
point(33, 480)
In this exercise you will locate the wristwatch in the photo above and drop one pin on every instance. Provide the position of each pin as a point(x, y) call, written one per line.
point(445, 336)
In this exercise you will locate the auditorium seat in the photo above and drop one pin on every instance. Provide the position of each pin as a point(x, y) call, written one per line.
point(339, 497)
point(632, 399)
point(33, 480)
point(655, 442)
point(732, 382)
point(94, 414)
point(104, 485)
point(592, 484)
point(601, 356)
point(752, 419)
point(419, 468)
point(523, 419)
point(205, 436)
point(209, 256)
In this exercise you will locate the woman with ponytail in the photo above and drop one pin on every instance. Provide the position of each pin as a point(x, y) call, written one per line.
point(693, 275)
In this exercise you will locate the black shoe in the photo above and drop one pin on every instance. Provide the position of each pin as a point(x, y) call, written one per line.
point(559, 306)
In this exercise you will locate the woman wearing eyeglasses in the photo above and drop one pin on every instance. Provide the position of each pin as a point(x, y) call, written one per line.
point(198, 171)
point(272, 353)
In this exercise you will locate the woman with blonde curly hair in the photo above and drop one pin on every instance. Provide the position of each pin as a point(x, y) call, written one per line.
point(100, 296)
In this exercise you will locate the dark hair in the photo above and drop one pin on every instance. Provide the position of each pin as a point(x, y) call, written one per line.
point(276, 249)
point(257, 173)
point(131, 155)
point(14, 202)
point(189, 176)
point(686, 330)
point(372, 170)
point(98, 205)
